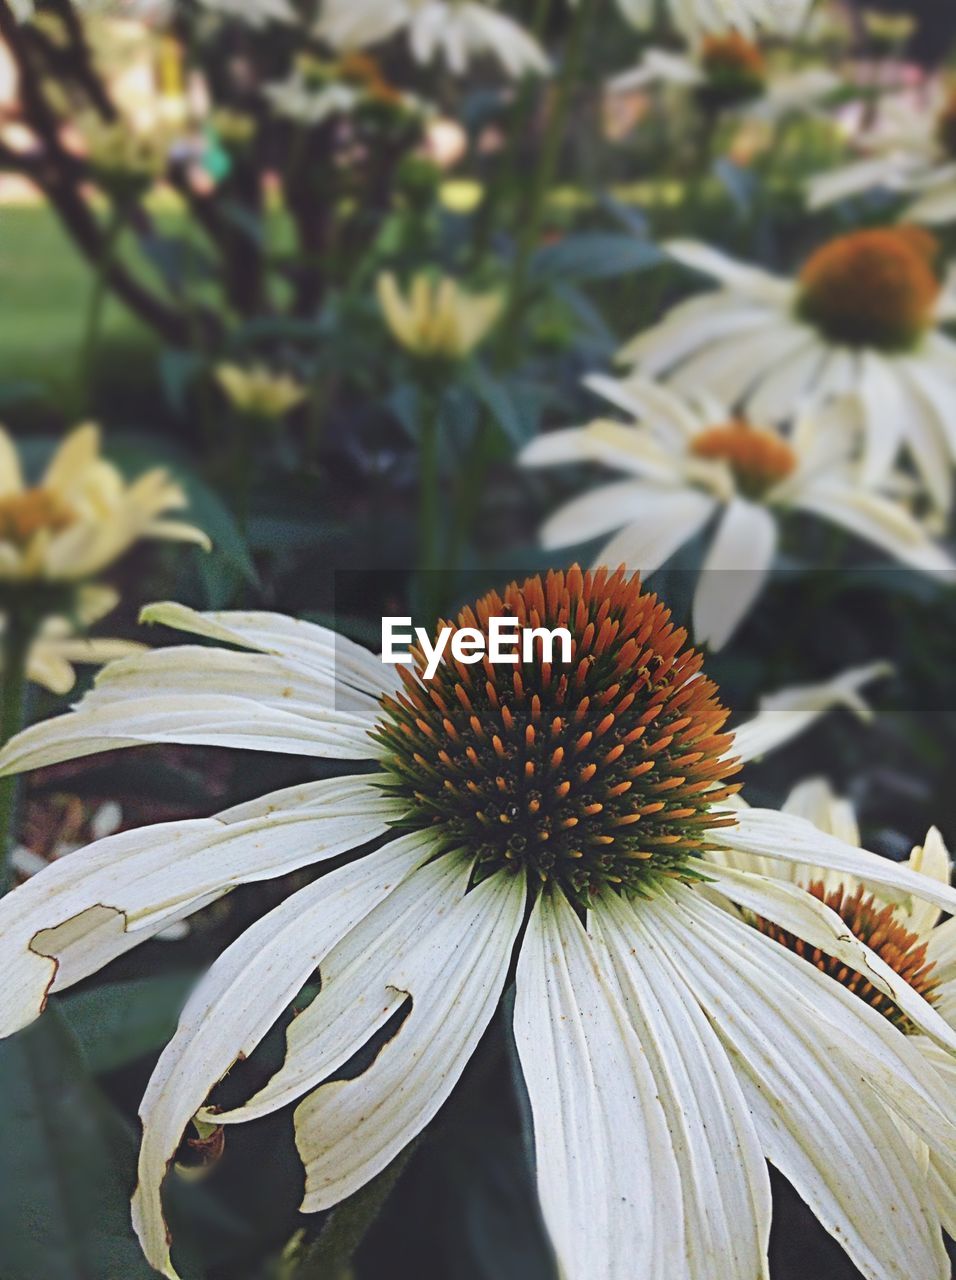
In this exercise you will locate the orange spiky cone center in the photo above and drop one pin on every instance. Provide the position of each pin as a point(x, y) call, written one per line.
point(878, 926)
point(874, 288)
point(759, 459)
point(602, 771)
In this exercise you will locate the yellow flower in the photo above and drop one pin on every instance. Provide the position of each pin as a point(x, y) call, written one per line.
point(437, 318)
point(258, 391)
point(82, 515)
point(122, 158)
point(60, 644)
point(889, 28)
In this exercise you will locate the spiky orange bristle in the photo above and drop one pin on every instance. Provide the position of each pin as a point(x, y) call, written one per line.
point(601, 772)
point(875, 288)
point(877, 925)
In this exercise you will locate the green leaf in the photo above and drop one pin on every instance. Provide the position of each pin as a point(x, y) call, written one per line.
point(67, 1165)
point(594, 255)
point(502, 404)
point(121, 1021)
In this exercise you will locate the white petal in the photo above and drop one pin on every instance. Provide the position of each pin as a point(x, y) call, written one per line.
point(724, 1183)
point(314, 646)
point(734, 571)
point(86, 909)
point(792, 839)
point(237, 1002)
point(931, 858)
point(788, 713)
point(607, 1176)
point(804, 1092)
point(876, 519)
point(691, 326)
point(357, 995)
point(349, 1130)
point(805, 916)
point(222, 720)
point(668, 518)
point(884, 413)
point(742, 277)
point(594, 513)
point(649, 401)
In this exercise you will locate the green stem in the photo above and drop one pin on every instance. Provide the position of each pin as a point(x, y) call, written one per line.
point(331, 1256)
point(94, 311)
point(428, 510)
point(242, 469)
point(16, 647)
point(545, 169)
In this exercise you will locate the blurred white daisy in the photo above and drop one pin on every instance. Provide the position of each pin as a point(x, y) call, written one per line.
point(729, 71)
point(907, 932)
point(693, 465)
point(694, 16)
point(560, 812)
point(909, 149)
point(317, 89)
point(863, 315)
point(254, 13)
point(457, 31)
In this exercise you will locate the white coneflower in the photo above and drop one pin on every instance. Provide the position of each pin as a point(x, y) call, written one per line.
point(694, 16)
point(560, 810)
point(907, 934)
point(457, 31)
point(731, 72)
point(909, 150)
point(863, 315)
point(693, 463)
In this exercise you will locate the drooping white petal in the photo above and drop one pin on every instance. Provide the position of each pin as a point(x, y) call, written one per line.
point(326, 651)
point(84, 910)
point(742, 277)
point(803, 1086)
point(734, 571)
point(931, 858)
point(596, 512)
point(160, 696)
point(788, 713)
point(690, 327)
point(237, 1002)
point(608, 1180)
point(358, 995)
point(792, 839)
point(668, 518)
point(649, 401)
point(724, 1184)
point(877, 519)
point(808, 918)
point(349, 1130)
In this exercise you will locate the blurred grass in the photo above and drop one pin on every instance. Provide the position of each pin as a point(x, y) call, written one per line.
point(46, 292)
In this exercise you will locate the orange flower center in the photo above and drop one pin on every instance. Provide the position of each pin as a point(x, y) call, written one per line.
point(600, 771)
point(733, 55)
point(758, 459)
point(364, 71)
point(22, 515)
point(875, 288)
point(877, 925)
point(735, 69)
